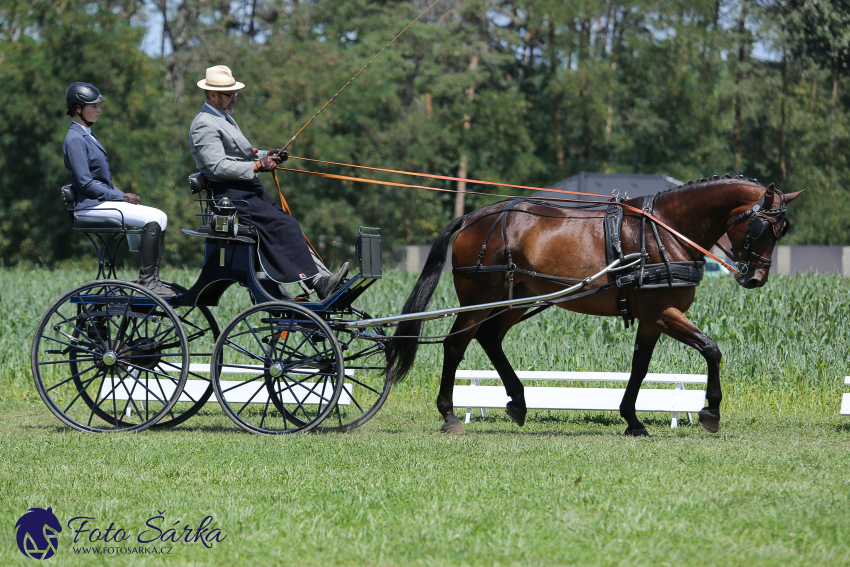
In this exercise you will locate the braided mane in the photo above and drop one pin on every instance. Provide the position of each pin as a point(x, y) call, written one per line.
point(707, 180)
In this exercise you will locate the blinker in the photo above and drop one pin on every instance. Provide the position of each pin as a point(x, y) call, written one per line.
point(757, 228)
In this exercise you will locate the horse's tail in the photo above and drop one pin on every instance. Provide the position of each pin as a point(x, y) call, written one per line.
point(401, 351)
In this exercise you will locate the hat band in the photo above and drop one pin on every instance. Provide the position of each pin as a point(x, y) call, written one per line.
point(215, 85)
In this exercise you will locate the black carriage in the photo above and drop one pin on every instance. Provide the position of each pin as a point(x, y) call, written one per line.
point(109, 355)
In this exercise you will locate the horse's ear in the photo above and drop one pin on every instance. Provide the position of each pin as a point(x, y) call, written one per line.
point(791, 196)
point(768, 194)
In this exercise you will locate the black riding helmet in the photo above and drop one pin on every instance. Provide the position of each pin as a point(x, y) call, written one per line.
point(81, 94)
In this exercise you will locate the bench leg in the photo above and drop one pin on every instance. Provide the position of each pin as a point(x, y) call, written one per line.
point(484, 413)
point(468, 415)
point(674, 423)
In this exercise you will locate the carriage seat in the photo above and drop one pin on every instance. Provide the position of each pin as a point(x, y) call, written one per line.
point(87, 223)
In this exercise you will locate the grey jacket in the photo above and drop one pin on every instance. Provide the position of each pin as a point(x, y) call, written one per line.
point(220, 149)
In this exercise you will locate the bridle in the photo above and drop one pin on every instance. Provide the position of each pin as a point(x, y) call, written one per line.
point(757, 220)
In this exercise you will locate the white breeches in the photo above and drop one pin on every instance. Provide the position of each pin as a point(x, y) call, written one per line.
point(135, 216)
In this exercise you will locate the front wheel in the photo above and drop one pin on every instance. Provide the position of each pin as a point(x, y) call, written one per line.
point(278, 369)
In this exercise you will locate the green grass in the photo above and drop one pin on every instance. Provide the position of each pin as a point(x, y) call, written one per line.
point(567, 489)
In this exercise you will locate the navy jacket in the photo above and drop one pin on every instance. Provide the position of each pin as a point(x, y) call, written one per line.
point(86, 160)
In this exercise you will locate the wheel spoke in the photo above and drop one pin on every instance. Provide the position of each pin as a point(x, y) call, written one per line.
point(240, 384)
point(81, 390)
point(66, 380)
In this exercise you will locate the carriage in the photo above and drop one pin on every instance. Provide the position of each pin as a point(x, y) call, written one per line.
point(110, 355)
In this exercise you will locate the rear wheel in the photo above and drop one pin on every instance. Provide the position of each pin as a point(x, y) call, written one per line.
point(278, 369)
point(96, 357)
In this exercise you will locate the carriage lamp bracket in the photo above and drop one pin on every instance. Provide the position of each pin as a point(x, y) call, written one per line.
point(229, 221)
point(225, 218)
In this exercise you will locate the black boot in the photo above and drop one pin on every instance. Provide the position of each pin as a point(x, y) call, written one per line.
point(326, 285)
point(150, 255)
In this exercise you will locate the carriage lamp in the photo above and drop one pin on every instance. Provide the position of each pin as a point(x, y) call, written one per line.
point(228, 221)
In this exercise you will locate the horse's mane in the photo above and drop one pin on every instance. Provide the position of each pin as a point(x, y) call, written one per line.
point(702, 181)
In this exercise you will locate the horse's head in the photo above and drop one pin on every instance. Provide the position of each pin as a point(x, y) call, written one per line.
point(754, 234)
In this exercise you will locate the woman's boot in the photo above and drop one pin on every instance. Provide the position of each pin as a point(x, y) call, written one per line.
point(150, 253)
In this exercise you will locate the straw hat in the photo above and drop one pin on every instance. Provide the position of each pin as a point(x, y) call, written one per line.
point(219, 78)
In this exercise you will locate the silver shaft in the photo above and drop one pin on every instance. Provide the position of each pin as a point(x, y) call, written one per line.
point(440, 313)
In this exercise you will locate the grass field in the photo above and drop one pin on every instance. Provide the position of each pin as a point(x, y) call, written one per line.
point(567, 489)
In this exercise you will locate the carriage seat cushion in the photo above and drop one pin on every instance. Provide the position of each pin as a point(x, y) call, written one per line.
point(88, 222)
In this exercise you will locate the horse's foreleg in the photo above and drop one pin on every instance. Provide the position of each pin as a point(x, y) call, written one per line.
point(454, 347)
point(490, 337)
point(647, 337)
point(676, 325)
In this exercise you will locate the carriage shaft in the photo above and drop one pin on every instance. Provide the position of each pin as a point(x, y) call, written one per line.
point(529, 301)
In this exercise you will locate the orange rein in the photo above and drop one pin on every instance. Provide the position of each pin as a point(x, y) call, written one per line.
point(475, 181)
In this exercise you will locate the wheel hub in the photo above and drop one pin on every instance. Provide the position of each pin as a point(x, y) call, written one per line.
point(276, 370)
point(110, 358)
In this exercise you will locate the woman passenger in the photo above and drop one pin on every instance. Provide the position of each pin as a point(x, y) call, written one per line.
point(88, 164)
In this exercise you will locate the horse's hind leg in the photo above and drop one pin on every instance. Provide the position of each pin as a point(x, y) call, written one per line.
point(490, 337)
point(645, 341)
point(454, 347)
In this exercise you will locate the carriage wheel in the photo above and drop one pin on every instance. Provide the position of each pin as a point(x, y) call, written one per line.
point(367, 385)
point(278, 369)
point(201, 331)
point(96, 356)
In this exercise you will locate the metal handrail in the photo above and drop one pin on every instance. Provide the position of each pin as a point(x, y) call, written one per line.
point(451, 312)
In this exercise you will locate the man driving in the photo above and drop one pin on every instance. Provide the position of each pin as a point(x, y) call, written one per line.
point(230, 164)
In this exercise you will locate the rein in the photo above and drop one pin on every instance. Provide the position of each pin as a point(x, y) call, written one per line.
point(640, 212)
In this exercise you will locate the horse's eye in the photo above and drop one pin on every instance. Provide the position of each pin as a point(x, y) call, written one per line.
point(786, 226)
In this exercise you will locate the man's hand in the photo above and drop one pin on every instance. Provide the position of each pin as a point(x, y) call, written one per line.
point(132, 198)
point(268, 163)
point(279, 156)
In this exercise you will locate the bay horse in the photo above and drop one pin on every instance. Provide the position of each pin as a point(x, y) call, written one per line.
point(568, 245)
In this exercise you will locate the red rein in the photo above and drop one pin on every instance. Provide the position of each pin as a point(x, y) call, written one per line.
point(479, 182)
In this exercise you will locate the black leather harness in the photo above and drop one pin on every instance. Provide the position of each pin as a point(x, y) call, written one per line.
point(643, 276)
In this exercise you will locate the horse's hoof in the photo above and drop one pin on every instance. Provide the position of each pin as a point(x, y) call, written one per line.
point(516, 414)
point(709, 421)
point(453, 428)
point(639, 432)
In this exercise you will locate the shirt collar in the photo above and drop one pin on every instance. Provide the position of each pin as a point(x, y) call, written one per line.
point(217, 113)
point(85, 129)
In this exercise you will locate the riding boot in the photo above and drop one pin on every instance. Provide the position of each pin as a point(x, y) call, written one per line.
point(150, 254)
point(326, 285)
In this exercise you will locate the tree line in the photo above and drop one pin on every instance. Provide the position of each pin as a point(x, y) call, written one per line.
point(526, 92)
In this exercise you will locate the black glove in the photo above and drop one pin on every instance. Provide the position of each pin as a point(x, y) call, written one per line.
point(279, 156)
point(267, 163)
point(132, 198)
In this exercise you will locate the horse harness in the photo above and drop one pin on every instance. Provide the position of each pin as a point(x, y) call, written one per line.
point(644, 276)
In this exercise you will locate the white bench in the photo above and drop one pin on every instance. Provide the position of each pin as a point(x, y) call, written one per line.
point(194, 389)
point(674, 400)
point(845, 399)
